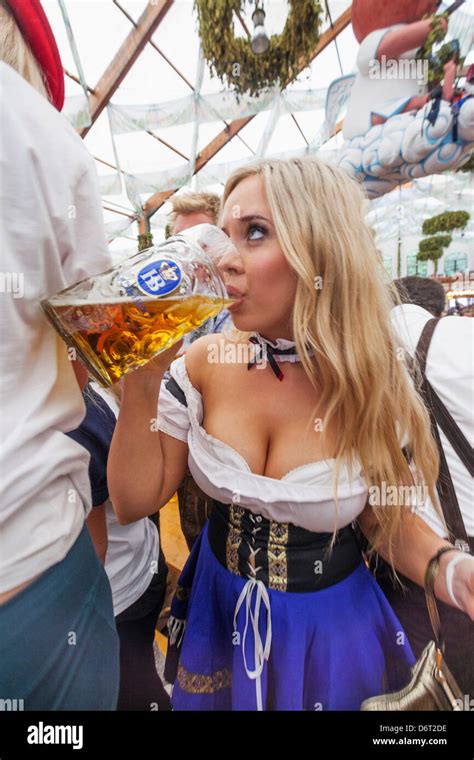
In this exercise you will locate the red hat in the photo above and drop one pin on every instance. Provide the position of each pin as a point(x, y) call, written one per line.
point(37, 32)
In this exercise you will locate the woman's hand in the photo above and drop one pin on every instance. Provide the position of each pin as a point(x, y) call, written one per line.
point(462, 580)
point(152, 372)
point(414, 547)
point(161, 361)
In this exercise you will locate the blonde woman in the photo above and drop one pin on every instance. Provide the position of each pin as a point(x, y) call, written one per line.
point(283, 613)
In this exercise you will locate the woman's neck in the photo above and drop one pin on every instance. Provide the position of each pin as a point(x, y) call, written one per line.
point(273, 335)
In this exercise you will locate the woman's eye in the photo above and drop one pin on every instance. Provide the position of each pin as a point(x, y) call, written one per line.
point(255, 232)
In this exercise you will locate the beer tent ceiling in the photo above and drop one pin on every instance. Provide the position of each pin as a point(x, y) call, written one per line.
point(153, 146)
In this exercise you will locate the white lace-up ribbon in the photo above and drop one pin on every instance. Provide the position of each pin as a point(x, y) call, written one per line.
point(280, 344)
point(261, 650)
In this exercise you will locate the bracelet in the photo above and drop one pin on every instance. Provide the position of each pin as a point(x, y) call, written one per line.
point(429, 582)
point(450, 574)
point(432, 570)
point(433, 566)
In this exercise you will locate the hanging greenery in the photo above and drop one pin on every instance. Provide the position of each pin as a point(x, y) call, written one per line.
point(231, 58)
point(145, 240)
point(437, 61)
point(445, 222)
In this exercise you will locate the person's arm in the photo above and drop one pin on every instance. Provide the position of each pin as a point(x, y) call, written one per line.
point(81, 374)
point(97, 527)
point(145, 465)
point(407, 37)
point(413, 548)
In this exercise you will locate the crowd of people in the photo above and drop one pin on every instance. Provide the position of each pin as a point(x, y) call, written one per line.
point(303, 589)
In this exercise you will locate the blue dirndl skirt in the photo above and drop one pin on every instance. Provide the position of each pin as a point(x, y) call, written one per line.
point(247, 646)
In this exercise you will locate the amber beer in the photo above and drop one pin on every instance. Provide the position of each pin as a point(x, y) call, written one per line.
point(115, 338)
point(120, 319)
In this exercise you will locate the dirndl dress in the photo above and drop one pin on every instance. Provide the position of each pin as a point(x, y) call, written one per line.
point(259, 624)
point(267, 615)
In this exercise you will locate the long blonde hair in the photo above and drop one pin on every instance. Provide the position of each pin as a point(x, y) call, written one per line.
point(15, 51)
point(343, 317)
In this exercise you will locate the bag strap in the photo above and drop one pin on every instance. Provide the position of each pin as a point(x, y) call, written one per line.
point(440, 415)
point(446, 422)
point(453, 432)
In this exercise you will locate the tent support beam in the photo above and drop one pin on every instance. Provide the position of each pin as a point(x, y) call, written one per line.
point(125, 57)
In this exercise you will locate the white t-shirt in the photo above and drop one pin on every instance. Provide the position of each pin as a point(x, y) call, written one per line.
point(449, 368)
point(132, 550)
point(51, 236)
point(384, 91)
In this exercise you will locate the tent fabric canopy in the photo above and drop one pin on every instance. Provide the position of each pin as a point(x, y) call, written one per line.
point(156, 120)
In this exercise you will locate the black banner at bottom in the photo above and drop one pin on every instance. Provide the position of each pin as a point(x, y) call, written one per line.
point(344, 734)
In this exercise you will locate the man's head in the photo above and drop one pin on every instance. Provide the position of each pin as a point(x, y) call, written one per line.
point(423, 292)
point(190, 209)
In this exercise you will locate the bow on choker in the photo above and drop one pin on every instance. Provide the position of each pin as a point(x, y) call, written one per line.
point(284, 350)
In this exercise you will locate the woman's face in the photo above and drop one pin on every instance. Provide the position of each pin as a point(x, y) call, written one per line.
point(257, 269)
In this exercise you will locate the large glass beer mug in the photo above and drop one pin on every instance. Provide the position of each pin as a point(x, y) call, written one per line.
point(120, 319)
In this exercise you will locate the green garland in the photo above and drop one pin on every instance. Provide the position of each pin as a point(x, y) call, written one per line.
point(231, 58)
point(445, 222)
point(437, 34)
point(145, 240)
point(436, 63)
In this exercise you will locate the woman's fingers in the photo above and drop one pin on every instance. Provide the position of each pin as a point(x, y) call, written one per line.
point(463, 585)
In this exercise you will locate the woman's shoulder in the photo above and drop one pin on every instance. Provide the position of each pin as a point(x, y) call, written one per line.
point(200, 358)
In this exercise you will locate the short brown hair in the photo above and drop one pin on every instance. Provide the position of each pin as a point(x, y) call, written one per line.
point(422, 291)
point(190, 203)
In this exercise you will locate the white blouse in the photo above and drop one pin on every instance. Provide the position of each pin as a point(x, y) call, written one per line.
point(303, 497)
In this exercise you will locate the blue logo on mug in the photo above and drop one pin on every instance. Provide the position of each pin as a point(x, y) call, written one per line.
point(159, 278)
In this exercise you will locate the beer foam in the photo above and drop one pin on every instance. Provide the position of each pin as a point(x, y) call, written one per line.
point(54, 302)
